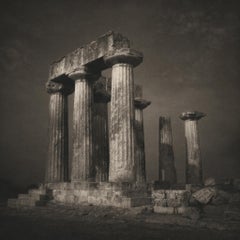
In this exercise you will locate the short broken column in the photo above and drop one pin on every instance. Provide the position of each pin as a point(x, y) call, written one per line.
point(100, 130)
point(140, 104)
point(167, 170)
point(57, 164)
point(193, 158)
point(122, 146)
point(82, 167)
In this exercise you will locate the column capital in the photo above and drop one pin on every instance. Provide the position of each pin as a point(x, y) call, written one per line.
point(192, 115)
point(83, 73)
point(141, 103)
point(54, 87)
point(124, 55)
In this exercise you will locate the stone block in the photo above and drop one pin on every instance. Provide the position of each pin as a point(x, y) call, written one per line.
point(204, 195)
point(12, 203)
point(89, 54)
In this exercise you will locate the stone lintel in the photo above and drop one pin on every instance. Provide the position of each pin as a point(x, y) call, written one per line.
point(91, 54)
point(141, 103)
point(191, 115)
point(123, 55)
point(65, 87)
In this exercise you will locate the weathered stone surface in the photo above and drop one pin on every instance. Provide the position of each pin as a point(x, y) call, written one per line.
point(102, 91)
point(167, 170)
point(193, 163)
point(140, 104)
point(34, 198)
point(82, 162)
point(122, 161)
point(170, 198)
point(104, 194)
point(204, 195)
point(57, 163)
point(100, 141)
point(91, 54)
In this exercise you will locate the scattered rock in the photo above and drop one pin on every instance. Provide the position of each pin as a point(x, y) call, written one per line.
point(204, 195)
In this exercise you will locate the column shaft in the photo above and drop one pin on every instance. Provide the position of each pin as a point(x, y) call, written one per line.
point(140, 151)
point(82, 131)
point(167, 171)
point(122, 162)
point(57, 164)
point(100, 141)
point(193, 164)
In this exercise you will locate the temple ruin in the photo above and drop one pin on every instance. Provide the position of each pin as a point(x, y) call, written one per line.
point(108, 156)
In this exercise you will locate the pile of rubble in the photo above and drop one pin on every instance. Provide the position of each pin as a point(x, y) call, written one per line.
point(222, 200)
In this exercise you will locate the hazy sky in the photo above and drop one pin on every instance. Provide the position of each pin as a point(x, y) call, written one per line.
point(191, 62)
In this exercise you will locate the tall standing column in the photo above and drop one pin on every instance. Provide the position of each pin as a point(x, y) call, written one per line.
point(167, 171)
point(82, 168)
point(100, 130)
point(122, 160)
point(57, 164)
point(140, 104)
point(193, 158)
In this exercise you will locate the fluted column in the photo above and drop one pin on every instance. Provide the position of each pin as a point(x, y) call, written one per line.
point(82, 167)
point(140, 104)
point(167, 170)
point(122, 160)
point(57, 163)
point(193, 158)
point(100, 130)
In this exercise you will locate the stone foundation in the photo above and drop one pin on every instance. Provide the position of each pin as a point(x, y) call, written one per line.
point(122, 195)
point(170, 201)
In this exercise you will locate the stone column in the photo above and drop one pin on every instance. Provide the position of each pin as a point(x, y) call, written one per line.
point(140, 104)
point(57, 164)
point(100, 130)
point(122, 161)
point(82, 167)
point(167, 171)
point(193, 158)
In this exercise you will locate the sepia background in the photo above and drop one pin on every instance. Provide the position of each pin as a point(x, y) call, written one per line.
point(191, 62)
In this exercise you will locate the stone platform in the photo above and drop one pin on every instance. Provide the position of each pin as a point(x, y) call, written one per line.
point(124, 195)
point(34, 198)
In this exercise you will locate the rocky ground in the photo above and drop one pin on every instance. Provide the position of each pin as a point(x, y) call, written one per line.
point(90, 222)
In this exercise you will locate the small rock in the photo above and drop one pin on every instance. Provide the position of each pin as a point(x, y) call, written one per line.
point(209, 182)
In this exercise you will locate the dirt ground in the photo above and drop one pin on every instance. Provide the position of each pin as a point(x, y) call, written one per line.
point(91, 222)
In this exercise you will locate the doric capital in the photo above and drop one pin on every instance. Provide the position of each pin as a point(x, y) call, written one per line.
point(123, 55)
point(102, 92)
point(83, 73)
point(141, 103)
point(53, 87)
point(191, 115)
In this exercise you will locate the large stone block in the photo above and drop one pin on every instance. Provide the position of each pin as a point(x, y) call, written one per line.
point(90, 54)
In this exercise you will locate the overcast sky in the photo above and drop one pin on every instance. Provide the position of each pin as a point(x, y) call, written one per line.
point(191, 62)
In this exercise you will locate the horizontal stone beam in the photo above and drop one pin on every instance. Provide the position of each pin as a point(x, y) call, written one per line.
point(91, 55)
